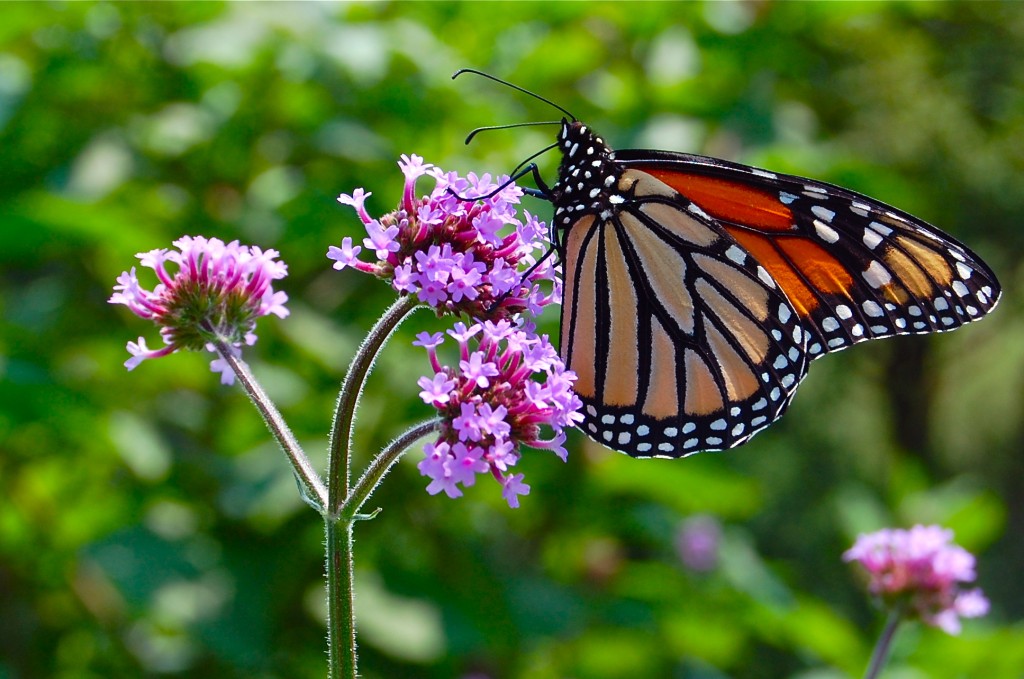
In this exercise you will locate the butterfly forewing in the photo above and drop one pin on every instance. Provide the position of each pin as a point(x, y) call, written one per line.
point(853, 268)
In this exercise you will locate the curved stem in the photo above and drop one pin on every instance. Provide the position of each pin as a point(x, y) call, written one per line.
point(881, 652)
point(340, 447)
point(307, 475)
point(380, 467)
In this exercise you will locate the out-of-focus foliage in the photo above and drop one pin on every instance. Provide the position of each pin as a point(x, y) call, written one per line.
point(148, 525)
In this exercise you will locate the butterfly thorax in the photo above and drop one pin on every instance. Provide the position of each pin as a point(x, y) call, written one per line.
point(588, 179)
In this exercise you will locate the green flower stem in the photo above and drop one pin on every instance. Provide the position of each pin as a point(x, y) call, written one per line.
point(380, 467)
point(341, 618)
point(340, 446)
point(341, 614)
point(341, 621)
point(307, 475)
point(882, 648)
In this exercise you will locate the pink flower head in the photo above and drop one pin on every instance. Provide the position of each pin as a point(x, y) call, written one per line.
point(923, 571)
point(492, 404)
point(454, 252)
point(214, 291)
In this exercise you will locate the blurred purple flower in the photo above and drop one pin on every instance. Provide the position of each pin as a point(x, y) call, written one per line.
point(923, 571)
point(217, 291)
point(492, 406)
point(456, 255)
point(697, 543)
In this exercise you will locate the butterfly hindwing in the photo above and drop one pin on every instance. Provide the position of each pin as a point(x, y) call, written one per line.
point(681, 342)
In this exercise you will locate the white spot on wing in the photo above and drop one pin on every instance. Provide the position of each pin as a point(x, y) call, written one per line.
point(695, 209)
point(880, 228)
point(823, 213)
point(876, 275)
point(872, 309)
point(736, 254)
point(825, 232)
point(872, 238)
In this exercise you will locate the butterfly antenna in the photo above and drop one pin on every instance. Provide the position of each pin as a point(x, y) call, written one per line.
point(515, 87)
point(510, 126)
point(523, 164)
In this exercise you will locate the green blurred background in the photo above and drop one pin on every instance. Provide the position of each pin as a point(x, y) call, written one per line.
point(149, 526)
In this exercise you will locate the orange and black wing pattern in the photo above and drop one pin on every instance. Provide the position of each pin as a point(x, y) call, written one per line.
point(697, 291)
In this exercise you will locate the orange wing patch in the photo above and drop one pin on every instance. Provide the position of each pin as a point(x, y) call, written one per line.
point(729, 201)
point(797, 264)
point(820, 268)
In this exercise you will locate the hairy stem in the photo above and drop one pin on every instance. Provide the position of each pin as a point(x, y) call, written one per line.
point(340, 446)
point(341, 615)
point(380, 467)
point(307, 475)
point(341, 620)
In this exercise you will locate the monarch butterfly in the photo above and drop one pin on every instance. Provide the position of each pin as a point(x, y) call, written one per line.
point(698, 291)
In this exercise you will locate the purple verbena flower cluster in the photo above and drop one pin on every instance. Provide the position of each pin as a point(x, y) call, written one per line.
point(456, 255)
point(217, 291)
point(489, 405)
point(923, 571)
